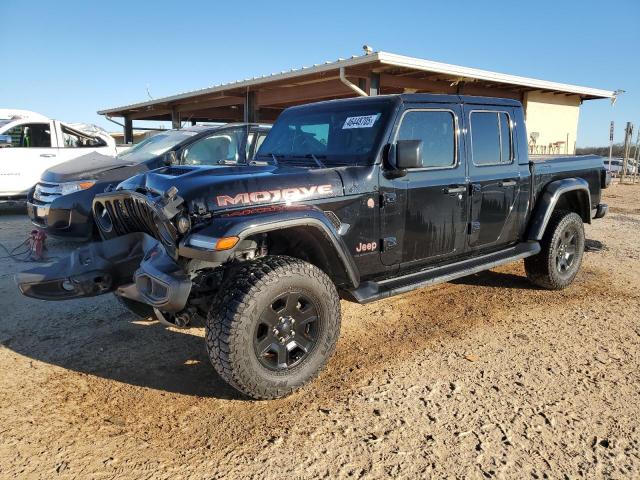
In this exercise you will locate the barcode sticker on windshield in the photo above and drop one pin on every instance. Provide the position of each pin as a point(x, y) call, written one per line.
point(364, 121)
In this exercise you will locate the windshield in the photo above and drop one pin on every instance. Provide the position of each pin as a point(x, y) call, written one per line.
point(328, 134)
point(156, 145)
point(4, 122)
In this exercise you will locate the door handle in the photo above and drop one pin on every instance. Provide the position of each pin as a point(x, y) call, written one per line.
point(508, 183)
point(454, 189)
point(47, 155)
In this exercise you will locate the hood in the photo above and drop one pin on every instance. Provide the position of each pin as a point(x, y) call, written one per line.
point(92, 166)
point(229, 187)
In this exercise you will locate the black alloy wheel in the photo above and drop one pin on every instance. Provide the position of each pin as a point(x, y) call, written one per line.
point(287, 331)
point(566, 249)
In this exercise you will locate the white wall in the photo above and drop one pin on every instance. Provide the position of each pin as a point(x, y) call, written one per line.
point(554, 117)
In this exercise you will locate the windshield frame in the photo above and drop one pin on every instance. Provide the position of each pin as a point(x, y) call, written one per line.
point(386, 105)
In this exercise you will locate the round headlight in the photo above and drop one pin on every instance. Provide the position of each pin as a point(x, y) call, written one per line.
point(183, 224)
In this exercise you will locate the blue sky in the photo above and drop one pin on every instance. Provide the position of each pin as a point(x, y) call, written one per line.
point(68, 59)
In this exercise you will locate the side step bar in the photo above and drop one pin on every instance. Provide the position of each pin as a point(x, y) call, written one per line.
point(372, 291)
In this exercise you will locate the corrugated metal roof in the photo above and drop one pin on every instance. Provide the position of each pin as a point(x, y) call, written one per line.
point(384, 58)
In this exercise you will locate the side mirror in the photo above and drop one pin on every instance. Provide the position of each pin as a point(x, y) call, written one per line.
point(170, 158)
point(5, 141)
point(408, 154)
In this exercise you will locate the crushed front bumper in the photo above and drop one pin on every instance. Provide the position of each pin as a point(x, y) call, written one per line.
point(135, 266)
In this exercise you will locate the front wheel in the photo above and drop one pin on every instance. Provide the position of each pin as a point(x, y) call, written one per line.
point(557, 264)
point(273, 326)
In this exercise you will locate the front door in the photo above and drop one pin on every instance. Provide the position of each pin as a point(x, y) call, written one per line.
point(495, 177)
point(31, 153)
point(432, 200)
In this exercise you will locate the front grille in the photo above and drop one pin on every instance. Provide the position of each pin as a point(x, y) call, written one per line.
point(120, 213)
point(46, 193)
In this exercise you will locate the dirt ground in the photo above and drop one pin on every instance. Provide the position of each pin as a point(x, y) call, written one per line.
point(484, 377)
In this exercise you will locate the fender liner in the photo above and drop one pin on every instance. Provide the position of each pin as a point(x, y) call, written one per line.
point(249, 225)
point(547, 201)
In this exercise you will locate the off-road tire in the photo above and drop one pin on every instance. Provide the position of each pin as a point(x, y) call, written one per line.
point(235, 315)
point(542, 269)
point(140, 310)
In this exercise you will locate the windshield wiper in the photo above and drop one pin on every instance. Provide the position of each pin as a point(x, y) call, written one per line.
point(272, 155)
point(315, 159)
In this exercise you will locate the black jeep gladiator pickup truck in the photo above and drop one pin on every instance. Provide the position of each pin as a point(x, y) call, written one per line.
point(358, 199)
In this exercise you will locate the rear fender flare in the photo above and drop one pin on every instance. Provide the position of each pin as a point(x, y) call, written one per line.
point(549, 199)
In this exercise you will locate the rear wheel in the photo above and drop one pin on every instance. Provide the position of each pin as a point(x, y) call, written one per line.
point(557, 264)
point(273, 326)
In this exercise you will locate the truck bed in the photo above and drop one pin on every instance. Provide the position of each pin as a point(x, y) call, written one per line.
point(547, 168)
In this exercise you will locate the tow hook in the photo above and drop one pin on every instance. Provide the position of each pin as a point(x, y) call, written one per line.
point(179, 320)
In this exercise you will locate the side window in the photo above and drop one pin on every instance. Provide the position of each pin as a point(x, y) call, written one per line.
point(491, 138)
point(73, 139)
point(436, 129)
point(213, 150)
point(259, 141)
point(30, 135)
point(505, 137)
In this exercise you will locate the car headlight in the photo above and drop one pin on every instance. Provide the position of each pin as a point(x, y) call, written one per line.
point(71, 187)
point(183, 223)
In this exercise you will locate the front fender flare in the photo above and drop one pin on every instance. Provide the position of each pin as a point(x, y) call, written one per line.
point(244, 226)
point(547, 201)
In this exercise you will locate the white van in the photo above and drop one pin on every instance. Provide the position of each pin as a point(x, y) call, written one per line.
point(30, 143)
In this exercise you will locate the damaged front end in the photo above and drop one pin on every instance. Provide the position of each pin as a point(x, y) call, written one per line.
point(137, 260)
point(135, 266)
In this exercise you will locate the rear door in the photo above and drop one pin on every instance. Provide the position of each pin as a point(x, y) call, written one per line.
point(495, 176)
point(433, 198)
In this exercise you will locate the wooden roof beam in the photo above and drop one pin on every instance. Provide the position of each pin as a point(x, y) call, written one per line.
point(209, 103)
point(394, 81)
point(303, 94)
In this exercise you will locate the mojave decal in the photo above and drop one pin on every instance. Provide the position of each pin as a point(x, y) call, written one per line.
point(268, 196)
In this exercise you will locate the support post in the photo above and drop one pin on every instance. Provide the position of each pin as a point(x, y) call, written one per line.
point(128, 130)
point(637, 157)
point(175, 118)
point(628, 133)
point(374, 84)
point(610, 143)
point(250, 108)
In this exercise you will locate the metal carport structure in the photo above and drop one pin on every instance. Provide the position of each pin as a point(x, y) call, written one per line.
point(261, 99)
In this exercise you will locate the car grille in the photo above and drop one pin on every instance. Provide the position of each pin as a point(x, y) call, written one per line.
point(120, 213)
point(46, 193)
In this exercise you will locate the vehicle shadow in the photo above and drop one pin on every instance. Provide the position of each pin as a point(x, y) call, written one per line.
point(491, 278)
point(119, 347)
point(13, 207)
